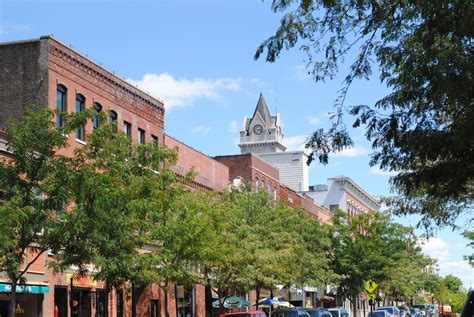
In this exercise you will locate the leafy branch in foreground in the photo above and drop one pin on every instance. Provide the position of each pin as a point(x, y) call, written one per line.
point(422, 129)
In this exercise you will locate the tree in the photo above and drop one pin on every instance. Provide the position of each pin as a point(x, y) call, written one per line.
point(113, 187)
point(451, 292)
point(422, 128)
point(33, 192)
point(262, 244)
point(368, 246)
point(452, 283)
point(185, 232)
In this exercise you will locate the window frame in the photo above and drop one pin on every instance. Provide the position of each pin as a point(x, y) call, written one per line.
point(61, 90)
point(96, 122)
point(80, 107)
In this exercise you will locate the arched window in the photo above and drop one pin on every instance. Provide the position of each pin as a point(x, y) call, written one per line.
point(81, 131)
point(262, 184)
point(256, 184)
point(113, 120)
point(269, 188)
point(95, 117)
point(61, 98)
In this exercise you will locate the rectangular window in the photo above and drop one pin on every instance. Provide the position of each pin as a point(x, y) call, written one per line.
point(101, 303)
point(81, 131)
point(333, 209)
point(141, 136)
point(60, 300)
point(184, 301)
point(155, 308)
point(119, 303)
point(82, 298)
point(154, 139)
point(60, 105)
point(127, 129)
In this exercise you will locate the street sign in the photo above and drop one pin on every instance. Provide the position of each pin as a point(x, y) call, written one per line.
point(370, 295)
point(370, 286)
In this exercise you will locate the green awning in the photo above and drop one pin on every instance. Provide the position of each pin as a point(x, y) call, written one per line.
point(32, 289)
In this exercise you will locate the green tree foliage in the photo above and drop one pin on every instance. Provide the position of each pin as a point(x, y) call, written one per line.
point(117, 191)
point(452, 283)
point(449, 291)
point(185, 233)
point(470, 236)
point(33, 192)
point(371, 246)
point(263, 244)
point(423, 128)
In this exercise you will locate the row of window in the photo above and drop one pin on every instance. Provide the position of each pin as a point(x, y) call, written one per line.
point(262, 186)
point(61, 106)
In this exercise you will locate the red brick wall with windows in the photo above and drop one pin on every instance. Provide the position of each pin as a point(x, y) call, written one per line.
point(79, 75)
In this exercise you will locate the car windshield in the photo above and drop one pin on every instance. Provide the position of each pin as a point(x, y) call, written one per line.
point(334, 313)
point(420, 306)
point(389, 309)
point(377, 314)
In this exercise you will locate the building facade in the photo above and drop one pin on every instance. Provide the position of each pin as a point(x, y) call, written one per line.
point(43, 73)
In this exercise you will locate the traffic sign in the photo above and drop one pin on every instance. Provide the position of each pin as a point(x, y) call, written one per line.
point(370, 286)
point(370, 295)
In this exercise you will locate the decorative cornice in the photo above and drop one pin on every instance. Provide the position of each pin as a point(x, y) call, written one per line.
point(100, 73)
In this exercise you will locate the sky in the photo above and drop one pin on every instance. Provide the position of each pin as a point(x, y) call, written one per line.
point(197, 56)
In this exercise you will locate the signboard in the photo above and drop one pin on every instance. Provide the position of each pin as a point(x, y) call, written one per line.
point(33, 289)
point(370, 295)
point(370, 286)
point(81, 280)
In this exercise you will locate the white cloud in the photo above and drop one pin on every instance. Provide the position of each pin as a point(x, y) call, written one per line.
point(375, 170)
point(313, 120)
point(201, 129)
point(448, 263)
point(300, 72)
point(295, 143)
point(353, 152)
point(233, 126)
point(181, 92)
point(258, 82)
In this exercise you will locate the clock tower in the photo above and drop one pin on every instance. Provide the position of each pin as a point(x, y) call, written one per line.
point(262, 133)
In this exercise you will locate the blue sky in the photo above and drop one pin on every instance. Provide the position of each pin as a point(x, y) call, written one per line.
point(198, 57)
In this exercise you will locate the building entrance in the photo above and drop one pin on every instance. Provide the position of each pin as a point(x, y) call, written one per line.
point(80, 303)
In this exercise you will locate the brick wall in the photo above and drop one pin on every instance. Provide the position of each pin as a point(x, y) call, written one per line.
point(211, 173)
point(23, 78)
point(250, 167)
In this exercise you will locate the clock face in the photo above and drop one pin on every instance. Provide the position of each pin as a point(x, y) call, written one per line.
point(257, 129)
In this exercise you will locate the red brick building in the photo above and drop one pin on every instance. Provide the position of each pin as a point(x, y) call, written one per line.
point(46, 73)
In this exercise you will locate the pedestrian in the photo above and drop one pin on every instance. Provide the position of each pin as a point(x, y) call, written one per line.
point(468, 310)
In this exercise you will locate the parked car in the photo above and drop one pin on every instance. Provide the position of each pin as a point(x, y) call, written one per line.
point(319, 312)
point(291, 312)
point(404, 311)
point(253, 313)
point(468, 309)
point(423, 309)
point(338, 312)
point(393, 311)
point(378, 313)
point(415, 312)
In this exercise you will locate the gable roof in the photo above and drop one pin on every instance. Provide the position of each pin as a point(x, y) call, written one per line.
point(263, 111)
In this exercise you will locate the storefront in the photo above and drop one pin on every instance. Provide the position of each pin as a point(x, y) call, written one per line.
point(81, 298)
point(29, 300)
point(185, 301)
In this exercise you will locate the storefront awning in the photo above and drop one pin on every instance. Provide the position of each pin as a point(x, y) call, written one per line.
point(32, 289)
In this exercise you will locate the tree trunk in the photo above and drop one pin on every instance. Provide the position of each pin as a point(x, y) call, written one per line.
point(12, 311)
point(165, 290)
